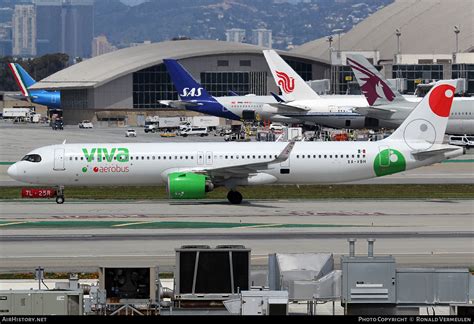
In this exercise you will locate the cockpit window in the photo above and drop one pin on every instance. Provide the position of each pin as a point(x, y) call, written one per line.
point(32, 158)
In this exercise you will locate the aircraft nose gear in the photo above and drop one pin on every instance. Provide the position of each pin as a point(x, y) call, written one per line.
point(60, 195)
point(234, 197)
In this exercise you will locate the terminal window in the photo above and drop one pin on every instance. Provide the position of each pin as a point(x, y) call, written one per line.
point(151, 85)
point(220, 83)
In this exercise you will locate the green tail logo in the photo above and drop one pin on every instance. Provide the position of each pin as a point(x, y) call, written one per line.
point(389, 161)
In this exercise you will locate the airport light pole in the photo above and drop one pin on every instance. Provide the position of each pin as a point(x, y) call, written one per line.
point(329, 40)
point(398, 33)
point(456, 32)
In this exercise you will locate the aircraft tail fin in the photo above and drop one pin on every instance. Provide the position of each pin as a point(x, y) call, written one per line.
point(22, 78)
point(188, 89)
point(376, 89)
point(426, 124)
point(291, 84)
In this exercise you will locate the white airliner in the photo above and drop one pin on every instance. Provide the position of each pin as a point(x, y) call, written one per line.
point(331, 111)
point(388, 105)
point(189, 170)
point(303, 103)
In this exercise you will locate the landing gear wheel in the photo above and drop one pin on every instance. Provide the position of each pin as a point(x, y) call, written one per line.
point(60, 199)
point(234, 197)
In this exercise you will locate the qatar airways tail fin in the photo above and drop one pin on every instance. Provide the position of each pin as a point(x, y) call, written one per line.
point(376, 89)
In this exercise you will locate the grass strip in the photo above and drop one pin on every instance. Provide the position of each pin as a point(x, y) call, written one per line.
point(342, 191)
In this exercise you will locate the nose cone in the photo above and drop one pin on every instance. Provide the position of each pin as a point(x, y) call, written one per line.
point(13, 171)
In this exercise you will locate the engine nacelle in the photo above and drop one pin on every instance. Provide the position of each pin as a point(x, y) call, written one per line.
point(188, 185)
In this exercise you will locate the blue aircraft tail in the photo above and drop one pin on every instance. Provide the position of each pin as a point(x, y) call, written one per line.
point(188, 89)
point(23, 79)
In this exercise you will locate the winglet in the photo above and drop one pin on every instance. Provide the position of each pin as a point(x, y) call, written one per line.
point(232, 93)
point(277, 97)
point(64, 142)
point(285, 154)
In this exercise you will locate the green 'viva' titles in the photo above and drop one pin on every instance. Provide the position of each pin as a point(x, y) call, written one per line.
point(102, 154)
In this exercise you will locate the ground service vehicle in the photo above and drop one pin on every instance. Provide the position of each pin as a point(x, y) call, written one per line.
point(467, 141)
point(85, 124)
point(130, 133)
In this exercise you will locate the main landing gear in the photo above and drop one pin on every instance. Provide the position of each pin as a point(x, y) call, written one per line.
point(234, 197)
point(60, 195)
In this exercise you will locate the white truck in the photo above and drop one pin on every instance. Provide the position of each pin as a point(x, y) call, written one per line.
point(210, 122)
point(169, 122)
point(21, 114)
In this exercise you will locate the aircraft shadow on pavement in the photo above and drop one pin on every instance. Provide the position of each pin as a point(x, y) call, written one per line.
point(221, 203)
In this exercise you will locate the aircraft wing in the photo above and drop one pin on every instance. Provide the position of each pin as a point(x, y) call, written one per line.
point(243, 170)
point(421, 155)
point(240, 170)
point(376, 112)
point(287, 106)
point(179, 103)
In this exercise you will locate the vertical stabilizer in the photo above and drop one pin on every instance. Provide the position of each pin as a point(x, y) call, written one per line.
point(376, 89)
point(188, 89)
point(293, 87)
point(426, 124)
point(22, 78)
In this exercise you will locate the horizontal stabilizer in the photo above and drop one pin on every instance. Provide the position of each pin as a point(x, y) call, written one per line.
point(277, 97)
point(179, 104)
point(287, 106)
point(375, 112)
point(433, 152)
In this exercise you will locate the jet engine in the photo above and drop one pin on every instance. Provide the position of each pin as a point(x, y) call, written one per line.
point(188, 185)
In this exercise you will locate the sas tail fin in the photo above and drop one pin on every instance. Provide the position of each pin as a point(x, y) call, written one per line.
point(376, 89)
point(22, 78)
point(188, 89)
point(426, 124)
point(291, 84)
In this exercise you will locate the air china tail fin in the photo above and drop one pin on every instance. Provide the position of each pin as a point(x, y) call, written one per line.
point(426, 124)
point(376, 89)
point(188, 89)
point(22, 78)
point(291, 84)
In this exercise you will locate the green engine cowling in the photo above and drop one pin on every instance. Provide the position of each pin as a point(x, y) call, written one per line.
point(188, 185)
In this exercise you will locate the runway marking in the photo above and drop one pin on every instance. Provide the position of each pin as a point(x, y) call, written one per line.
point(265, 225)
point(134, 223)
point(13, 223)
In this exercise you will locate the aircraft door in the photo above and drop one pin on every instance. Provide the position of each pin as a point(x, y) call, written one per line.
point(209, 158)
point(200, 158)
point(59, 160)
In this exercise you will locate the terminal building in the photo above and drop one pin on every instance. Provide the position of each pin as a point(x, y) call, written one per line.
point(125, 86)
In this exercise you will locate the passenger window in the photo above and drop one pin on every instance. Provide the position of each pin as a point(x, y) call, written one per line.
point(147, 157)
point(325, 156)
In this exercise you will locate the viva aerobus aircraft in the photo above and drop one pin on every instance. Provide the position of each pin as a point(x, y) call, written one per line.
point(388, 105)
point(51, 99)
point(189, 170)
